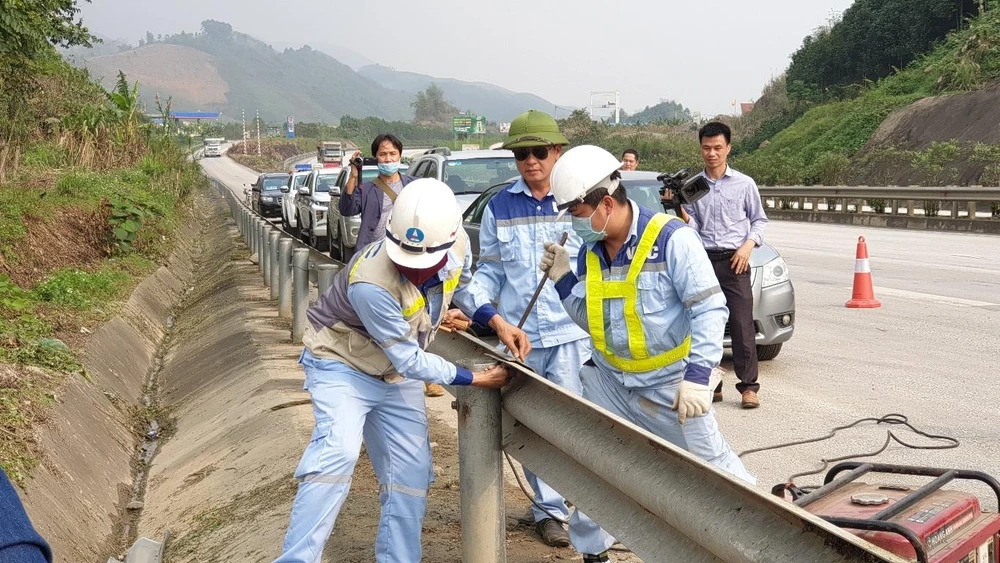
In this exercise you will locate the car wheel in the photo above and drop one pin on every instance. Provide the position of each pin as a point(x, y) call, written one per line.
point(329, 242)
point(285, 225)
point(303, 230)
point(767, 352)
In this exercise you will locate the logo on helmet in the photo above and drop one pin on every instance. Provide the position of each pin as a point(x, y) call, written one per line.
point(414, 235)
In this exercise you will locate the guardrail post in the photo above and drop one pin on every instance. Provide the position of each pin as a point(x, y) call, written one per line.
point(910, 207)
point(261, 224)
point(272, 256)
point(324, 276)
point(300, 292)
point(972, 210)
point(265, 257)
point(954, 210)
point(285, 278)
point(481, 472)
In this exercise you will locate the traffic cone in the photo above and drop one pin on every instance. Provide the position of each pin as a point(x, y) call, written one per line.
point(864, 294)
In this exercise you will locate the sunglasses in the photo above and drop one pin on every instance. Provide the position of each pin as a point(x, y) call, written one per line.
point(540, 153)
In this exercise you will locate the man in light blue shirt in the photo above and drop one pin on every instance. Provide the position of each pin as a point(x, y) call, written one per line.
point(731, 222)
point(647, 295)
point(515, 224)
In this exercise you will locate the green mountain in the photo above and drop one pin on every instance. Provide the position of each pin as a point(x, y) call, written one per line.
point(496, 103)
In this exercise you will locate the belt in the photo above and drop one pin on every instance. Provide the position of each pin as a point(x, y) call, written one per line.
point(718, 254)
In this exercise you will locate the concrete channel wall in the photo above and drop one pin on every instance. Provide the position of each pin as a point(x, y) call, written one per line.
point(76, 495)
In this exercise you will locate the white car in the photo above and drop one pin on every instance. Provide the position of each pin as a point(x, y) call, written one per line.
point(467, 173)
point(288, 193)
point(342, 232)
point(312, 201)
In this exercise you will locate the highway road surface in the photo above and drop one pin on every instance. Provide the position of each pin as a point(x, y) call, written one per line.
point(930, 352)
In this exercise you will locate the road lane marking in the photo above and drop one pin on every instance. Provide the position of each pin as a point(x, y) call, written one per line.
point(943, 299)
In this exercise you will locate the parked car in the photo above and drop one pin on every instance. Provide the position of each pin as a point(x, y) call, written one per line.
point(312, 201)
point(288, 193)
point(342, 232)
point(265, 194)
point(467, 173)
point(773, 294)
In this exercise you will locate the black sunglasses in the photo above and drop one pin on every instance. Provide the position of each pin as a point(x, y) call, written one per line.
point(541, 153)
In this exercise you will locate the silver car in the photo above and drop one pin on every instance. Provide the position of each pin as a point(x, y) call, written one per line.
point(773, 295)
point(467, 173)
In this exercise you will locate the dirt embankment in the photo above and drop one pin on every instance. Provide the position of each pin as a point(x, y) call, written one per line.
point(940, 140)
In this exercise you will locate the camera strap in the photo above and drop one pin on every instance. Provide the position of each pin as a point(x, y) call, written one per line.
point(378, 181)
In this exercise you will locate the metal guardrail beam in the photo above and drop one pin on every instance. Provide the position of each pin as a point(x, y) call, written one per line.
point(659, 500)
point(947, 193)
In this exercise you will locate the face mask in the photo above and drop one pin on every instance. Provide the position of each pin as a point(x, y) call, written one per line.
point(584, 228)
point(388, 168)
point(418, 277)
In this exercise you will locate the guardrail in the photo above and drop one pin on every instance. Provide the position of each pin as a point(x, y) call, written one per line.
point(288, 162)
point(660, 501)
point(972, 203)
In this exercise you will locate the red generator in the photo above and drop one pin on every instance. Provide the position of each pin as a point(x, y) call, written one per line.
point(925, 524)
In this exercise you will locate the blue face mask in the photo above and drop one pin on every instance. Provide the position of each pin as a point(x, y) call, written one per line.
point(388, 168)
point(584, 228)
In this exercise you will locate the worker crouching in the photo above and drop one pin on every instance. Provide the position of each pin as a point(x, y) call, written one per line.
point(650, 300)
point(364, 363)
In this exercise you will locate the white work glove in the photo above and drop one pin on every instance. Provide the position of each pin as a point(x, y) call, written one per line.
point(692, 400)
point(555, 263)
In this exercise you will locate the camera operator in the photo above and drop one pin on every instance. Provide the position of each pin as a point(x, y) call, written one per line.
point(373, 199)
point(731, 222)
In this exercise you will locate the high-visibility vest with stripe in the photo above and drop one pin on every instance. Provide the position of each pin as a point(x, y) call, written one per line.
point(600, 289)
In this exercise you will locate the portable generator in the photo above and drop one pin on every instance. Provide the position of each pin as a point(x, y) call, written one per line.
point(925, 524)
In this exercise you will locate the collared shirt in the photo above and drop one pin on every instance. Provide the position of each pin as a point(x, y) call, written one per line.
point(383, 320)
point(514, 230)
point(730, 214)
point(678, 295)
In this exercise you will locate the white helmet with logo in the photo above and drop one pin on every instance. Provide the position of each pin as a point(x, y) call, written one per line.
point(581, 170)
point(423, 224)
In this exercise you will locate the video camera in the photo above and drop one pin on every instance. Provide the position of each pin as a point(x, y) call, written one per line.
point(685, 190)
point(364, 161)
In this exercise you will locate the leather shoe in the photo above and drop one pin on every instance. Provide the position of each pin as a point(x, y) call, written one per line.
point(750, 400)
point(717, 397)
point(552, 533)
point(433, 390)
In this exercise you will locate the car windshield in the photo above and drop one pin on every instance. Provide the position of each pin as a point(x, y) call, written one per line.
point(274, 182)
point(300, 180)
point(325, 182)
point(476, 175)
point(646, 193)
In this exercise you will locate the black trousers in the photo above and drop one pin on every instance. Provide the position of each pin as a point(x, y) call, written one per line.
point(739, 298)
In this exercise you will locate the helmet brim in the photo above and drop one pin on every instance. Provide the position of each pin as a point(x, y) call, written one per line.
point(406, 259)
point(528, 140)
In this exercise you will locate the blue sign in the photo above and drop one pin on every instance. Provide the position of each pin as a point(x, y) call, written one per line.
point(415, 235)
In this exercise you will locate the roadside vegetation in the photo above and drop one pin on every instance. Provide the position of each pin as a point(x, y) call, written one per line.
point(92, 192)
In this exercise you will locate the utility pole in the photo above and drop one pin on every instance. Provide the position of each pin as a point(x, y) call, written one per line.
point(246, 139)
point(258, 132)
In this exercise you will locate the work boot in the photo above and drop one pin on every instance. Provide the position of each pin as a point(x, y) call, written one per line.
point(552, 533)
point(433, 390)
point(599, 558)
point(750, 400)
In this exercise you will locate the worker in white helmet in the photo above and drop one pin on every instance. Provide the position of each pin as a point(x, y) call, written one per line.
point(650, 300)
point(364, 363)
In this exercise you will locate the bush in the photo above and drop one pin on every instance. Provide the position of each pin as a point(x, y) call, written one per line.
point(81, 290)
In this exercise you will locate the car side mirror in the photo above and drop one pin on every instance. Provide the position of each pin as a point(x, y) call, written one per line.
point(334, 191)
point(303, 191)
point(284, 189)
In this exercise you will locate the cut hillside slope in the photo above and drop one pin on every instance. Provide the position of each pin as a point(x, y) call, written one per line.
point(188, 75)
point(496, 103)
point(943, 137)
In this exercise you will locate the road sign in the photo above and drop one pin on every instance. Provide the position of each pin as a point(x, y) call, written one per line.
point(290, 127)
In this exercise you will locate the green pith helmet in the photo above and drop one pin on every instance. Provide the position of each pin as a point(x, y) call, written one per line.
point(534, 129)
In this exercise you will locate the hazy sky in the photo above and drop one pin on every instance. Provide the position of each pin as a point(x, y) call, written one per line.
point(702, 54)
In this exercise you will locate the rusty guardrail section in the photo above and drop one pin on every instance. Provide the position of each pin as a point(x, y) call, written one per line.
point(660, 501)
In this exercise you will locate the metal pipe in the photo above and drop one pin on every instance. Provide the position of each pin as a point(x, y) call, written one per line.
point(273, 259)
point(285, 278)
point(480, 470)
point(265, 256)
point(261, 237)
point(300, 292)
point(324, 276)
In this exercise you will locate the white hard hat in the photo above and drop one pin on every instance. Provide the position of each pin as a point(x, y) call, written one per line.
point(423, 224)
point(579, 171)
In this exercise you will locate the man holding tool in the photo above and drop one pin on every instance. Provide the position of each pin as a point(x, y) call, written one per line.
point(515, 224)
point(364, 361)
point(648, 296)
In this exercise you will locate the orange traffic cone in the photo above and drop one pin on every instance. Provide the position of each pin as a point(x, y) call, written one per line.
point(864, 294)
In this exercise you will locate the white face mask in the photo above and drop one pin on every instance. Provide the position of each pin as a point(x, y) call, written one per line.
point(584, 228)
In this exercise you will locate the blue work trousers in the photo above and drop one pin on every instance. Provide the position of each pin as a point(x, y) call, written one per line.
point(347, 405)
point(561, 365)
point(650, 409)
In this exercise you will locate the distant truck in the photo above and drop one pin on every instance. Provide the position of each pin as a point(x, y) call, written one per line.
point(213, 146)
point(330, 152)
